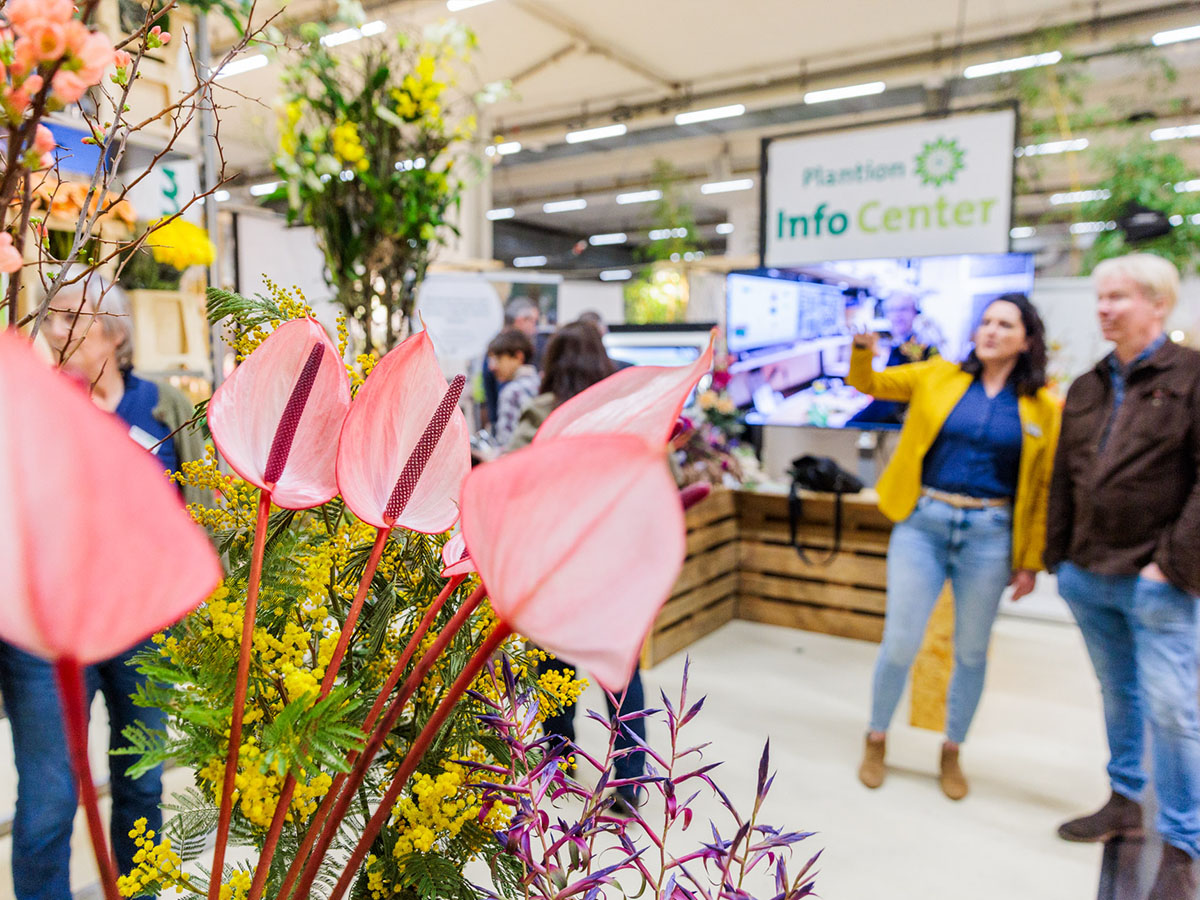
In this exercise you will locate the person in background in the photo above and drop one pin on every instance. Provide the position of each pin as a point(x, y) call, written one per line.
point(89, 329)
point(967, 489)
point(508, 359)
point(1124, 539)
point(523, 315)
point(902, 312)
point(575, 359)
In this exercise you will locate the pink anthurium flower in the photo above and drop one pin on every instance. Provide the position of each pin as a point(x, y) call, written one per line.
point(96, 550)
point(455, 558)
point(584, 579)
point(276, 419)
point(404, 450)
point(641, 400)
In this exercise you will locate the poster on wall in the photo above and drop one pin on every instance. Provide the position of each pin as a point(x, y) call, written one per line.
point(922, 188)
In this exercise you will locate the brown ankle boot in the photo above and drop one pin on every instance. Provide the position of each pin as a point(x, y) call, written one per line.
point(953, 781)
point(1176, 878)
point(1120, 817)
point(872, 770)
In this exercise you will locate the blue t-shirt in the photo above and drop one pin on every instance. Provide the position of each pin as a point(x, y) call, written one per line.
point(978, 450)
point(137, 409)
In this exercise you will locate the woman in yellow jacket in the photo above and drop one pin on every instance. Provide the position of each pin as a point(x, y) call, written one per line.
point(967, 489)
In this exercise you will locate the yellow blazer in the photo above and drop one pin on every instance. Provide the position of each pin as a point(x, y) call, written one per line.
point(932, 389)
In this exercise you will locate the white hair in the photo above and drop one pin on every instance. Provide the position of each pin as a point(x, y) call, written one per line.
point(112, 307)
point(1157, 278)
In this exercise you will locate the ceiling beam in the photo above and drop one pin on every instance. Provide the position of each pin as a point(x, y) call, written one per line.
point(544, 63)
point(611, 51)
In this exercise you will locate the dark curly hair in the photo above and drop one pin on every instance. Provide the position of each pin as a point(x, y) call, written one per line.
point(1029, 374)
point(574, 360)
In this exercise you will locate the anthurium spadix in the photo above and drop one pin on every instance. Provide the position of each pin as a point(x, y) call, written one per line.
point(641, 400)
point(96, 549)
point(404, 449)
point(578, 542)
point(277, 418)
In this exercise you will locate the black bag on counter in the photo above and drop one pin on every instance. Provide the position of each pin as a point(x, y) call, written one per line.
point(822, 474)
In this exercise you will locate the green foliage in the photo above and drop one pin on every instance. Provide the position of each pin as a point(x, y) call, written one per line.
point(1144, 173)
point(659, 292)
point(370, 156)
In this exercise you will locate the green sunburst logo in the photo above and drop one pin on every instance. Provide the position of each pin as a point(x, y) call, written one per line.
point(940, 161)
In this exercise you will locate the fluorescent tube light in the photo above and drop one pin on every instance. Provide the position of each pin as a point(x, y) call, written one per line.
point(1187, 187)
point(725, 228)
point(261, 190)
point(529, 262)
point(707, 115)
point(662, 234)
point(557, 206)
point(616, 275)
point(844, 93)
point(506, 212)
point(1012, 65)
point(724, 187)
point(1052, 147)
point(460, 5)
point(604, 240)
point(1091, 227)
point(1176, 35)
point(349, 35)
point(596, 134)
point(639, 197)
point(1021, 231)
point(506, 149)
point(1179, 131)
point(1078, 197)
point(240, 66)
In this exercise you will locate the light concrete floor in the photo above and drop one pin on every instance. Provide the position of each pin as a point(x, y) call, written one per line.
point(1035, 756)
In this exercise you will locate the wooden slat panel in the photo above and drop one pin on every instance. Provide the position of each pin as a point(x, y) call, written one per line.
point(706, 567)
point(859, 511)
point(843, 623)
point(717, 505)
point(815, 593)
point(820, 536)
point(687, 632)
point(694, 601)
point(707, 536)
point(846, 568)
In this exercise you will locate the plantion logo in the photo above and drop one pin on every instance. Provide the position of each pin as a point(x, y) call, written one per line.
point(939, 162)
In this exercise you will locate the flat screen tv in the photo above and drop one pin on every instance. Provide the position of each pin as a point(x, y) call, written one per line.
point(788, 331)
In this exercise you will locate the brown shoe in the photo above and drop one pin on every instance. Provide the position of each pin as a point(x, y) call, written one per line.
point(1120, 817)
point(1176, 879)
point(872, 770)
point(952, 779)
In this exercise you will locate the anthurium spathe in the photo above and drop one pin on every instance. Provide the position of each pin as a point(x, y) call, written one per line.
point(96, 550)
point(578, 542)
point(405, 421)
point(455, 558)
point(276, 419)
point(641, 400)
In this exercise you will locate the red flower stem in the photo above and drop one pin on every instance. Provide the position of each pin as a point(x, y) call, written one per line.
point(355, 779)
point(415, 753)
point(335, 787)
point(239, 695)
point(69, 675)
point(263, 869)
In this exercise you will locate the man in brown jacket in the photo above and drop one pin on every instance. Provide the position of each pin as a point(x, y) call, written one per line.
point(1123, 537)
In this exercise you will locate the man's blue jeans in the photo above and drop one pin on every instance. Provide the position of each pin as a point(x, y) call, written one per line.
point(973, 549)
point(1141, 636)
point(46, 798)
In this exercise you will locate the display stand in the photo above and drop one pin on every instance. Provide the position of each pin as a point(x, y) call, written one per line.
point(741, 564)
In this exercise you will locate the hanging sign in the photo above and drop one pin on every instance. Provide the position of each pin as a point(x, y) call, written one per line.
point(931, 187)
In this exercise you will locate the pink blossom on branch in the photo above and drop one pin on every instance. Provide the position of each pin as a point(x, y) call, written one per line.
point(24, 14)
point(10, 257)
point(122, 59)
point(69, 86)
point(49, 39)
point(95, 54)
point(43, 141)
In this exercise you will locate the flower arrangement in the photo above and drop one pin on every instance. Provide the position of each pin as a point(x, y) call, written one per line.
point(179, 244)
point(370, 156)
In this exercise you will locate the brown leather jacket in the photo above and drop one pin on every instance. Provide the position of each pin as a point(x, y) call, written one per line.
point(1137, 500)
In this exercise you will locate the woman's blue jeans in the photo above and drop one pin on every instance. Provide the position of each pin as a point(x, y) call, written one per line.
point(1141, 636)
point(973, 549)
point(46, 799)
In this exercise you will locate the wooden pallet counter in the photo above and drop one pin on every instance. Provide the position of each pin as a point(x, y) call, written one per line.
point(705, 594)
point(846, 597)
